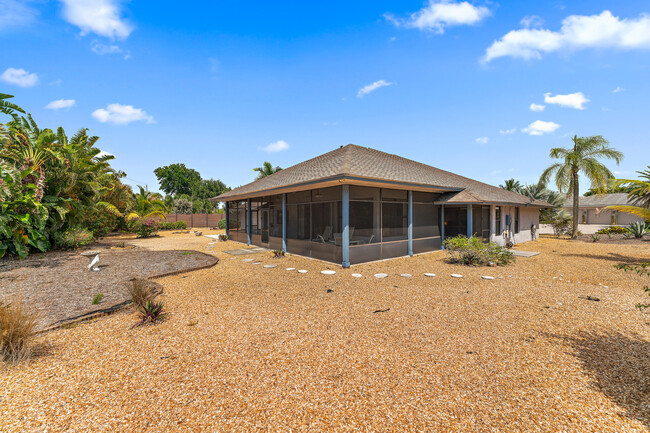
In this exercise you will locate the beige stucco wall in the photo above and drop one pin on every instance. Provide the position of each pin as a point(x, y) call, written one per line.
point(604, 217)
point(528, 216)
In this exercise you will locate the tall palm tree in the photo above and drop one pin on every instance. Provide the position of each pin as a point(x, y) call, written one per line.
point(266, 170)
point(639, 195)
point(147, 205)
point(511, 185)
point(582, 158)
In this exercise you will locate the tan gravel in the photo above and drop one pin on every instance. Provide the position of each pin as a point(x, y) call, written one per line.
point(248, 348)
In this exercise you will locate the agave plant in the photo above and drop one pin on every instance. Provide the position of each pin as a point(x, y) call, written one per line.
point(638, 229)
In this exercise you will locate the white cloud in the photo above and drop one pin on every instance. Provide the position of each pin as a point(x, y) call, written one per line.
point(102, 17)
point(577, 32)
point(14, 13)
point(537, 107)
point(277, 146)
point(19, 77)
point(61, 103)
point(439, 15)
point(372, 87)
point(618, 89)
point(508, 131)
point(531, 21)
point(121, 114)
point(101, 49)
point(482, 140)
point(539, 127)
point(572, 100)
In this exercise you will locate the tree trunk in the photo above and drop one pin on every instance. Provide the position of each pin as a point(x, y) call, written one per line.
point(576, 208)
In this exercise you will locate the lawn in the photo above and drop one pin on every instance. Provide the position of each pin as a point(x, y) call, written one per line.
point(251, 348)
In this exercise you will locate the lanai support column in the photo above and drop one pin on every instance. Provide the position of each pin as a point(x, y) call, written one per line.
point(442, 226)
point(284, 223)
point(470, 221)
point(410, 222)
point(345, 241)
point(249, 219)
point(227, 221)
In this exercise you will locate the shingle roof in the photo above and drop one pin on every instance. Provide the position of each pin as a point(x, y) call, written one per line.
point(614, 199)
point(355, 164)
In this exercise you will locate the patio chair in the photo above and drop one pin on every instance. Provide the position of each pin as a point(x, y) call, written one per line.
point(327, 234)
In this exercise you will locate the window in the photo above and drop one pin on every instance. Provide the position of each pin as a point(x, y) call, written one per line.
point(394, 218)
point(497, 220)
point(365, 219)
point(455, 221)
point(425, 221)
point(516, 220)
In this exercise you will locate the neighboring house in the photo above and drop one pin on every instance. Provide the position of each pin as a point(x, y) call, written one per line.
point(356, 204)
point(592, 209)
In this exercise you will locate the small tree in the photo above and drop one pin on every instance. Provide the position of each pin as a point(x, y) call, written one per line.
point(182, 206)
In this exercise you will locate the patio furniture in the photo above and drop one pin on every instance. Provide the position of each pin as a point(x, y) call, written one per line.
point(325, 237)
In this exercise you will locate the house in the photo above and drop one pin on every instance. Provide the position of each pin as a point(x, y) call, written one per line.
point(592, 209)
point(356, 204)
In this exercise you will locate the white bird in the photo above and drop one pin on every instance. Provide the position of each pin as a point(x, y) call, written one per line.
point(93, 264)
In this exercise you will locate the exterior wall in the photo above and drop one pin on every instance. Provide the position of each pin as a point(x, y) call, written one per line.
point(528, 216)
point(604, 217)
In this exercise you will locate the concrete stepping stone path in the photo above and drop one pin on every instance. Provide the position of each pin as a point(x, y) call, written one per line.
point(327, 272)
point(487, 277)
point(381, 275)
point(429, 274)
point(270, 266)
point(291, 269)
point(357, 275)
point(247, 260)
point(405, 275)
point(457, 275)
point(302, 271)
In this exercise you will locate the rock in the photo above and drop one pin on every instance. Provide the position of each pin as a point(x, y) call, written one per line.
point(381, 275)
point(327, 272)
point(329, 290)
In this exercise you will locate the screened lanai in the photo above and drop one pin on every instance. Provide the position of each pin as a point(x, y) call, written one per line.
point(355, 205)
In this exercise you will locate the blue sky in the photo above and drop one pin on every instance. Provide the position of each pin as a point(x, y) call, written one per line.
point(223, 86)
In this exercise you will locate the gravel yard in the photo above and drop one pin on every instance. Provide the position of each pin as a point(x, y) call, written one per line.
point(248, 348)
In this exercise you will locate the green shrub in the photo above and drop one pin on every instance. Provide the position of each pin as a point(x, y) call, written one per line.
point(561, 223)
point(144, 227)
point(222, 224)
point(614, 230)
point(73, 238)
point(176, 225)
point(17, 324)
point(97, 298)
point(473, 251)
point(638, 229)
point(102, 221)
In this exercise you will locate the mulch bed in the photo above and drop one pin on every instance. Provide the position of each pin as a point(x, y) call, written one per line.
point(59, 285)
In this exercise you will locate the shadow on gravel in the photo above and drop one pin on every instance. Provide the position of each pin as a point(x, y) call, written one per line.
point(619, 366)
point(613, 257)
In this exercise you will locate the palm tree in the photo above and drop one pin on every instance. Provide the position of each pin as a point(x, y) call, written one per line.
point(512, 185)
point(147, 206)
point(639, 195)
point(266, 170)
point(9, 108)
point(583, 158)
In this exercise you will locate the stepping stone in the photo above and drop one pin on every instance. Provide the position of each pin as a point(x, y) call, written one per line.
point(327, 272)
point(257, 263)
point(357, 275)
point(247, 260)
point(405, 275)
point(457, 275)
point(270, 266)
point(381, 275)
point(302, 271)
point(291, 269)
point(487, 277)
point(429, 274)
